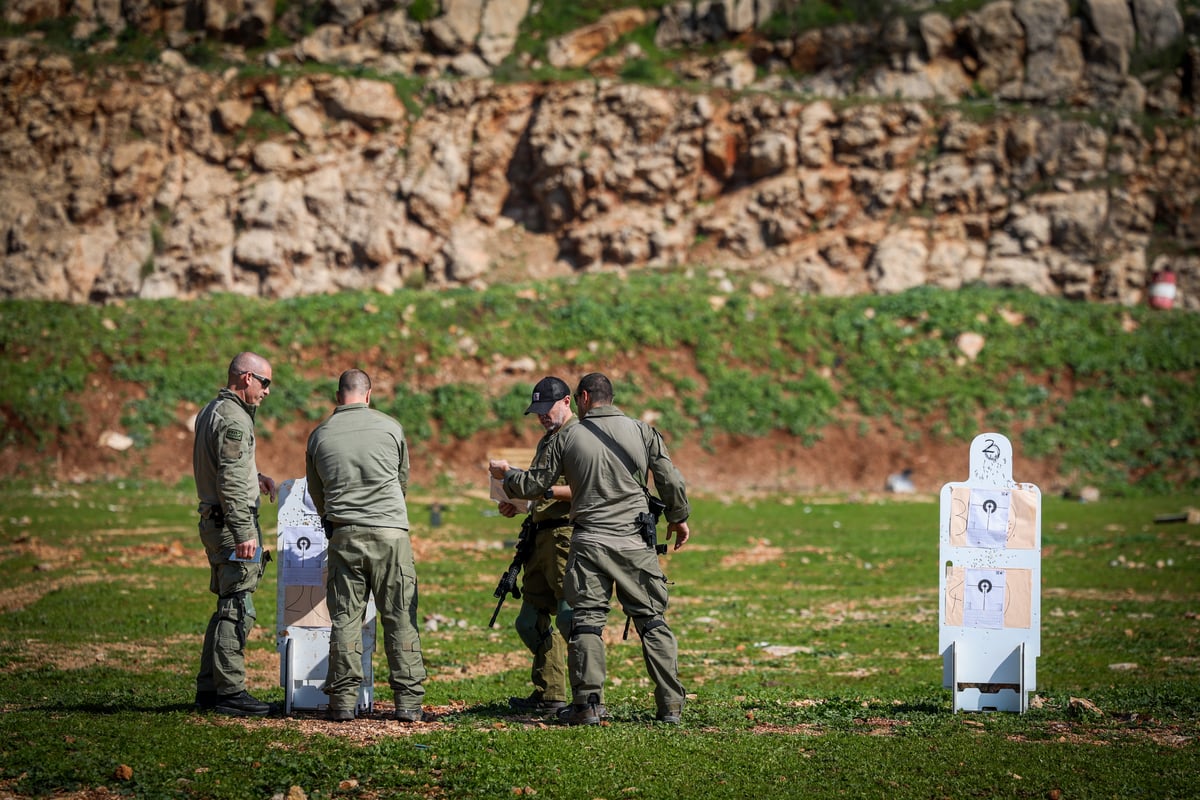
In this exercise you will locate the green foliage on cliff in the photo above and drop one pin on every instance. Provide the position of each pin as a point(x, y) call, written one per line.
point(1105, 391)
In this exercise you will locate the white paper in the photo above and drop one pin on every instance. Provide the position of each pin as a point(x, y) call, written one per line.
point(303, 556)
point(987, 518)
point(497, 491)
point(500, 496)
point(983, 599)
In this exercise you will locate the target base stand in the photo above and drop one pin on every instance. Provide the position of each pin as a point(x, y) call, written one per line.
point(304, 663)
point(986, 682)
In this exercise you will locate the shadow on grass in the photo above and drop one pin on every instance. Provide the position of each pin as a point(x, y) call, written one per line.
point(100, 708)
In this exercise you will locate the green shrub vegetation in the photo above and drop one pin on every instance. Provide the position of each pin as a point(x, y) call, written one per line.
point(808, 630)
point(1104, 390)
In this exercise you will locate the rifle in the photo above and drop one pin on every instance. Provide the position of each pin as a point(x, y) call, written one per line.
point(508, 581)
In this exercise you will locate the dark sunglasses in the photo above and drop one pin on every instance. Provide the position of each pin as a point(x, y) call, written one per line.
point(266, 382)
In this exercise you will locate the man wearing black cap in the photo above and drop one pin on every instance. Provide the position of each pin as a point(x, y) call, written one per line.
point(606, 459)
point(542, 585)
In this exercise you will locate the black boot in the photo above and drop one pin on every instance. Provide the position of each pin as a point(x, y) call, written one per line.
point(536, 704)
point(241, 704)
point(586, 714)
point(206, 700)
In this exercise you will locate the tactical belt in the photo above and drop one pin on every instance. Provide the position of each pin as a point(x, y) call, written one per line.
point(546, 524)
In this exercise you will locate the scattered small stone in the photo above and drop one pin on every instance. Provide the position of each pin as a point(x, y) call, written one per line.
point(115, 441)
point(970, 344)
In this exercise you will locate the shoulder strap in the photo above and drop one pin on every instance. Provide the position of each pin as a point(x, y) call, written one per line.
point(616, 450)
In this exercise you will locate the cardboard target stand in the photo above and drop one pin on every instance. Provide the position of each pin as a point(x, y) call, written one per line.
point(303, 625)
point(991, 577)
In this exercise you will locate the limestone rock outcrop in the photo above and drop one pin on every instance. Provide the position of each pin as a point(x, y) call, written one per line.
point(171, 181)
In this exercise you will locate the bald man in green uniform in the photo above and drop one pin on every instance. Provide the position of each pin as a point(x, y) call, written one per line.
point(357, 467)
point(228, 484)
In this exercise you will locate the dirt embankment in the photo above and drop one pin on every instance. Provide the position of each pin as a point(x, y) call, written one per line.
point(850, 458)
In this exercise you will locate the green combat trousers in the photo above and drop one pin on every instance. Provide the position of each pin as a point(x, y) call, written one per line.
point(377, 562)
point(541, 598)
point(223, 659)
point(593, 572)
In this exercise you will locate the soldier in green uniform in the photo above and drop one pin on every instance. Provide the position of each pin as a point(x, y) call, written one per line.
point(542, 586)
point(357, 467)
point(606, 459)
point(228, 484)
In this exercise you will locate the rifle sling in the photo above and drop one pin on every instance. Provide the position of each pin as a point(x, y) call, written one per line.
point(617, 451)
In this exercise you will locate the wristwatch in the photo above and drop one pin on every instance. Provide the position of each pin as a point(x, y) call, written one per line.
point(549, 495)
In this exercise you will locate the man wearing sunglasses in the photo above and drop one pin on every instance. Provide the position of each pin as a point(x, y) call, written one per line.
point(228, 484)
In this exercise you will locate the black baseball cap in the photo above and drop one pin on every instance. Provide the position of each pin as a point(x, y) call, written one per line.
point(547, 392)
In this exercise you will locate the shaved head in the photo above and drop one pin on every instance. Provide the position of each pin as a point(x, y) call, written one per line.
point(354, 386)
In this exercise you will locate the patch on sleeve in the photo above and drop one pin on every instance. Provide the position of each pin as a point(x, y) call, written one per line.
point(234, 434)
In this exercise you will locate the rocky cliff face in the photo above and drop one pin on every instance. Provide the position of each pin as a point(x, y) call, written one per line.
point(165, 180)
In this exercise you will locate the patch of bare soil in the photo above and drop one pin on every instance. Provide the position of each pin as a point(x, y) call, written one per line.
point(376, 725)
point(806, 729)
point(20, 597)
point(760, 551)
point(367, 729)
point(34, 654)
point(427, 548)
point(1132, 727)
point(47, 556)
point(485, 664)
point(173, 554)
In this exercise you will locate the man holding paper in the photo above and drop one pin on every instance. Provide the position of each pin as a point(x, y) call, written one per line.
point(542, 586)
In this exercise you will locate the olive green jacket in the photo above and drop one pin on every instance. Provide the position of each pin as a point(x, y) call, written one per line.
point(551, 509)
point(224, 466)
point(606, 496)
point(357, 468)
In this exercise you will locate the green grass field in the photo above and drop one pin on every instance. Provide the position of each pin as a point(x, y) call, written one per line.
point(808, 632)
